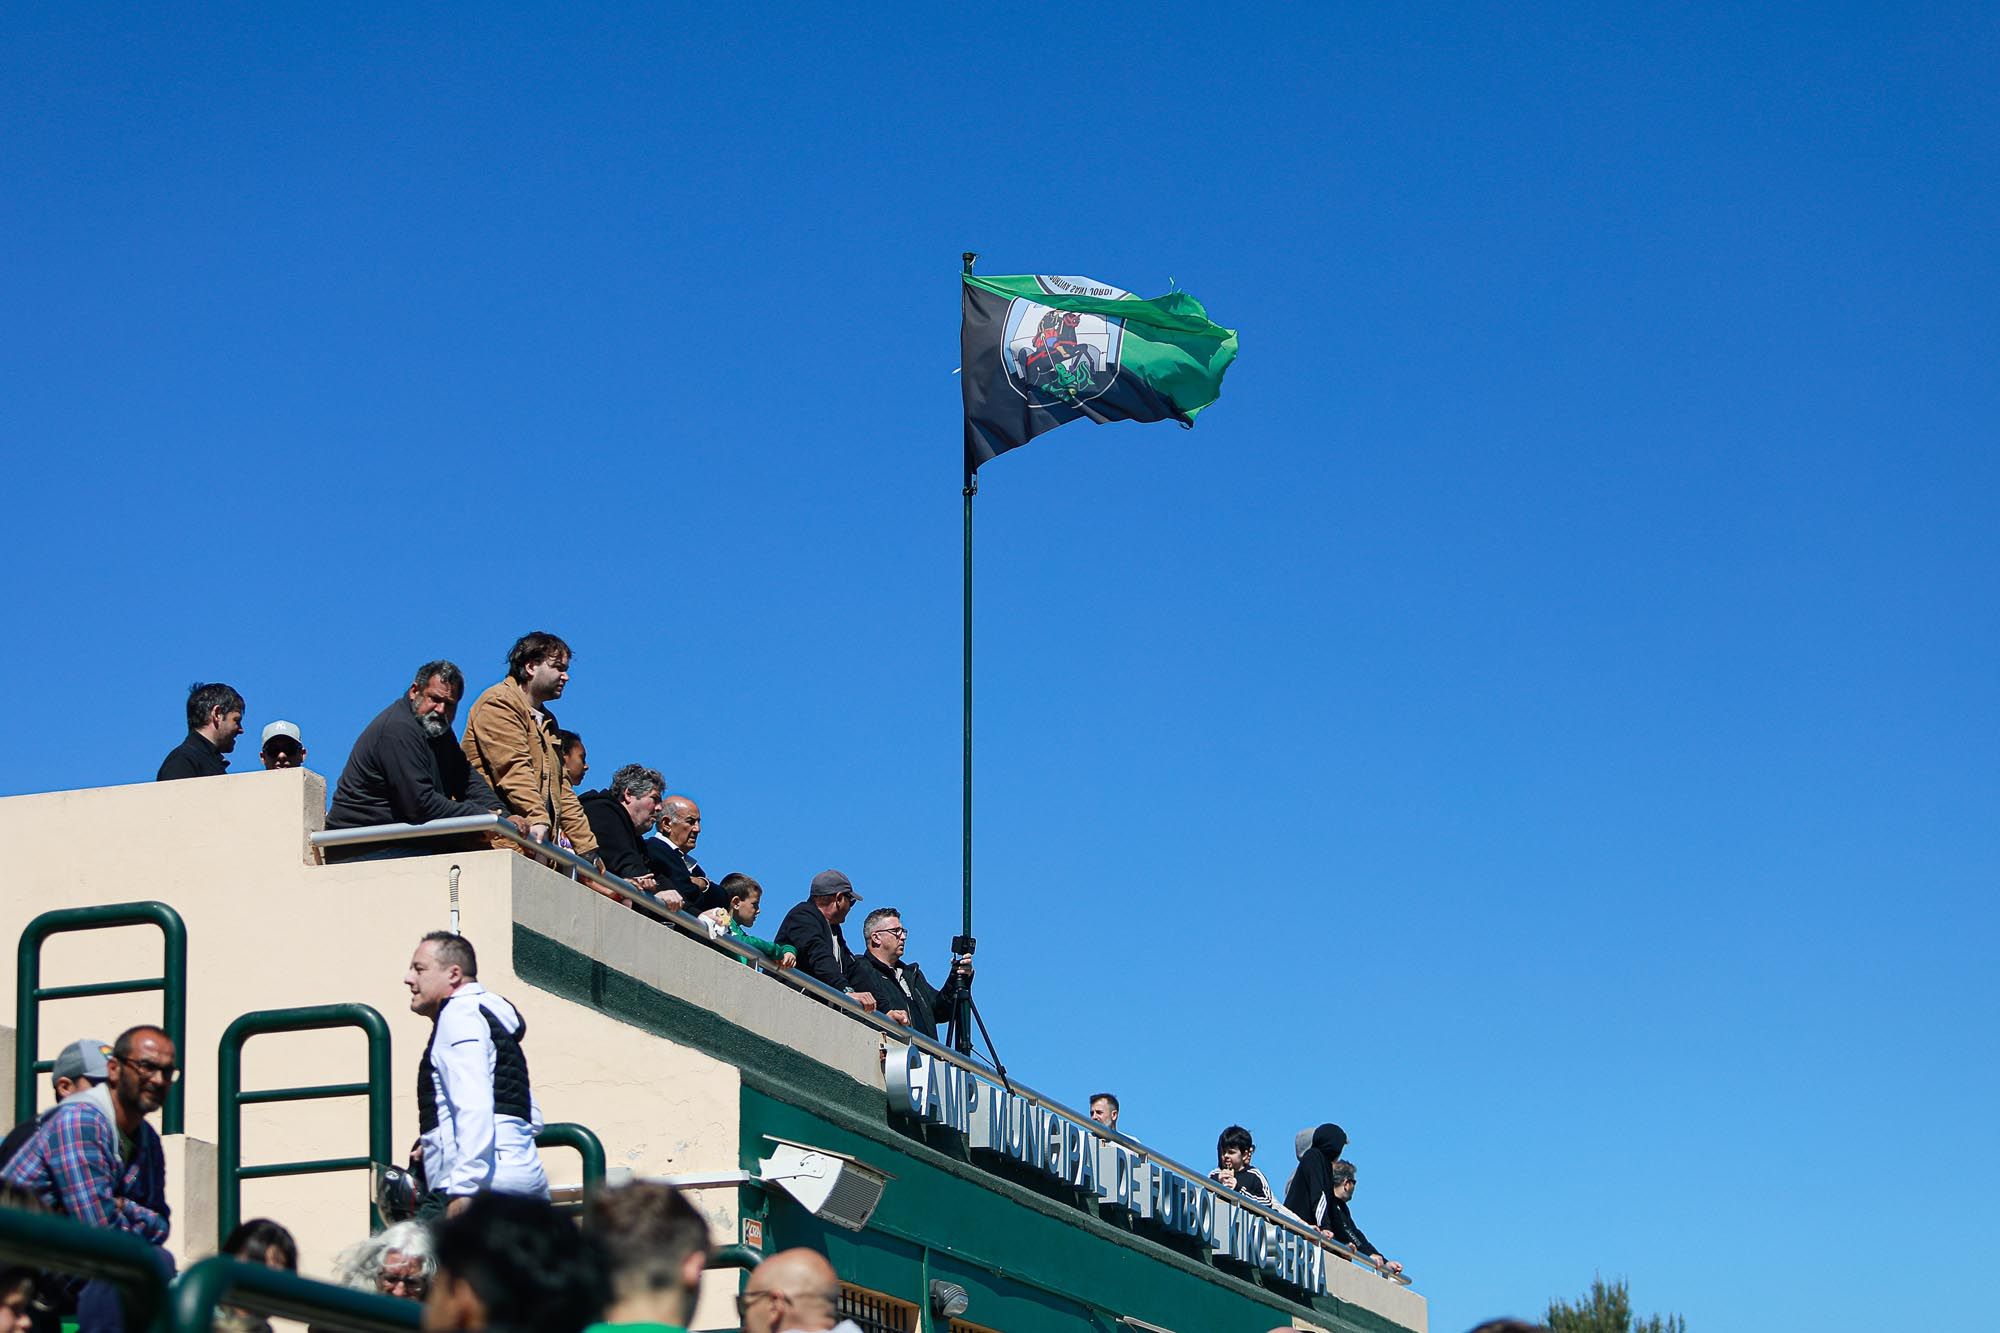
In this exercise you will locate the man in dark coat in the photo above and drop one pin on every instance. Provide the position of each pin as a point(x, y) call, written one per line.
point(616, 815)
point(813, 928)
point(901, 990)
point(1339, 1223)
point(669, 850)
point(215, 720)
point(407, 768)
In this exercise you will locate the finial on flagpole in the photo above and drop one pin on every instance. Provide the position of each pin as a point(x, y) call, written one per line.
point(969, 257)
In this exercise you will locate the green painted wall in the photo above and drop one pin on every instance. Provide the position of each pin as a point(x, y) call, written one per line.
point(1034, 1264)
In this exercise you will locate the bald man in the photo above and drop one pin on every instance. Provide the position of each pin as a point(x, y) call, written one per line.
point(669, 850)
point(793, 1291)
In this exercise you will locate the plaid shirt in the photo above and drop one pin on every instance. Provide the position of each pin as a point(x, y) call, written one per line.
point(72, 1164)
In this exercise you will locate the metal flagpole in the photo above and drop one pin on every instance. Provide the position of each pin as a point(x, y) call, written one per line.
point(971, 489)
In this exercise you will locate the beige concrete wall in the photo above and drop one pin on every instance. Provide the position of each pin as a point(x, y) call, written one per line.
point(267, 930)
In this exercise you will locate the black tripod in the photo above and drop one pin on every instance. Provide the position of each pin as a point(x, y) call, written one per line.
point(965, 1013)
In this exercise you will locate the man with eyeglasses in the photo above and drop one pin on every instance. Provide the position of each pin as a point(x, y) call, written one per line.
point(901, 990)
point(813, 928)
point(98, 1161)
point(793, 1291)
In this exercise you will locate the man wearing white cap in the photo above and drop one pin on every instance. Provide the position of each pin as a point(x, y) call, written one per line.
point(283, 746)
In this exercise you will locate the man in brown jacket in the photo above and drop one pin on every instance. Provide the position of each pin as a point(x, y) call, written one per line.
point(510, 737)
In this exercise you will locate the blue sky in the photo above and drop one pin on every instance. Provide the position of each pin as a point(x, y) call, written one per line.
point(1542, 718)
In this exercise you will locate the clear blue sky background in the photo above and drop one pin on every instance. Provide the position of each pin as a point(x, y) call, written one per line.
point(1542, 718)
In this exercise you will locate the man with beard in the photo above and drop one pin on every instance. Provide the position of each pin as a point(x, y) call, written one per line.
point(215, 720)
point(512, 739)
point(406, 769)
point(97, 1160)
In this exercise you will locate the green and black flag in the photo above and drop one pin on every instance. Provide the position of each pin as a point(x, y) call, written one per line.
point(1038, 352)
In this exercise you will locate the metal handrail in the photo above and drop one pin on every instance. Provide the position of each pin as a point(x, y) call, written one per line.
point(623, 889)
point(272, 1291)
point(62, 1244)
point(29, 991)
point(231, 1099)
point(567, 1134)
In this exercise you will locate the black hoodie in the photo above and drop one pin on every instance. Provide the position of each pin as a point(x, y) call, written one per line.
point(1311, 1192)
point(617, 840)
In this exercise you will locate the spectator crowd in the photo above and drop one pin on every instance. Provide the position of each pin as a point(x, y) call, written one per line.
point(513, 760)
point(477, 1239)
point(482, 1237)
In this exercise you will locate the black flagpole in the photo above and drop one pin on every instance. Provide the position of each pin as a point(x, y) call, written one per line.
point(971, 489)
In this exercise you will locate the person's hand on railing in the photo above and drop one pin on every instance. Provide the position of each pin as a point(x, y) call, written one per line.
point(671, 900)
point(644, 883)
point(520, 822)
point(539, 832)
point(900, 1015)
point(862, 998)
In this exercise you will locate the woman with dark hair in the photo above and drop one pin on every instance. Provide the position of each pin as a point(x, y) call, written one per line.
point(262, 1241)
point(258, 1241)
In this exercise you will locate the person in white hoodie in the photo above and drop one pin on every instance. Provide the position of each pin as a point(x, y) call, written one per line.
point(475, 1106)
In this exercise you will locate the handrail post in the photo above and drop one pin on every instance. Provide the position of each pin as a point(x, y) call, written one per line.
point(230, 1098)
point(567, 1134)
point(29, 994)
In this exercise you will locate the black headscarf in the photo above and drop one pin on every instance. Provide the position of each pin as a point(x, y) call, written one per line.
point(1312, 1183)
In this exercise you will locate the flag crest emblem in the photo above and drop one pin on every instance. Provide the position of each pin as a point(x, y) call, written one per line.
point(1056, 356)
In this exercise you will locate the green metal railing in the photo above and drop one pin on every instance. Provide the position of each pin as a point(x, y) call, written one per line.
point(59, 1244)
point(272, 1291)
point(588, 1146)
point(231, 1099)
point(30, 993)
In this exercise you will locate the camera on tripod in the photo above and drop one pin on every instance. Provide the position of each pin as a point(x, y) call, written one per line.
point(962, 949)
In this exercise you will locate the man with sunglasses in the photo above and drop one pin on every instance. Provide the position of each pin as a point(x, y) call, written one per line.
point(813, 928)
point(98, 1161)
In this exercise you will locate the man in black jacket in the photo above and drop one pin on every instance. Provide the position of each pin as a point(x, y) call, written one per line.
point(407, 768)
point(901, 990)
point(616, 815)
point(1339, 1222)
point(215, 720)
point(669, 849)
point(813, 928)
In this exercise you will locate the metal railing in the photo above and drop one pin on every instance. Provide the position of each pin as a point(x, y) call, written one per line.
point(566, 1134)
point(623, 889)
point(60, 1244)
point(272, 1291)
point(30, 993)
point(231, 1099)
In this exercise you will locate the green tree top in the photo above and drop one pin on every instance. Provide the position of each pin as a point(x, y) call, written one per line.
point(1608, 1309)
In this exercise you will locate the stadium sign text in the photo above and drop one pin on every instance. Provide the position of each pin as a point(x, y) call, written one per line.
point(1077, 1153)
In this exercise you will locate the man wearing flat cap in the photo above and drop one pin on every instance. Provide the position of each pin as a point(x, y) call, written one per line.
point(813, 928)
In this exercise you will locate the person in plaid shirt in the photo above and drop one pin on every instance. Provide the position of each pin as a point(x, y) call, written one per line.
point(98, 1161)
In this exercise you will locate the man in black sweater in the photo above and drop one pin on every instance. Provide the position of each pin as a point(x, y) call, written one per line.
point(616, 815)
point(1339, 1222)
point(407, 768)
point(215, 720)
point(813, 928)
point(901, 990)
